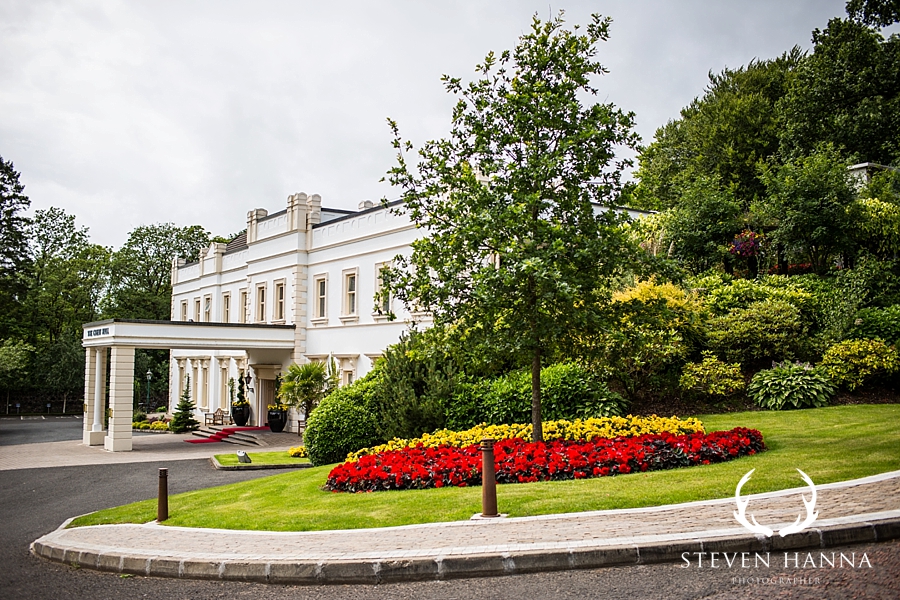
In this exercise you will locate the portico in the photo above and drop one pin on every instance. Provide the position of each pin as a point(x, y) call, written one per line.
point(112, 342)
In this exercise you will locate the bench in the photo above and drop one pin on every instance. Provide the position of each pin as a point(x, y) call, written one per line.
point(219, 417)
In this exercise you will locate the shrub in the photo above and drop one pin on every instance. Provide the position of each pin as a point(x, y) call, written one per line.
point(723, 294)
point(139, 416)
point(183, 420)
point(298, 452)
point(764, 331)
point(791, 385)
point(345, 421)
point(882, 323)
point(568, 391)
point(159, 426)
point(852, 362)
point(712, 377)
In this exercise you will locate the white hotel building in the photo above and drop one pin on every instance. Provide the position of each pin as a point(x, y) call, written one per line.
point(311, 267)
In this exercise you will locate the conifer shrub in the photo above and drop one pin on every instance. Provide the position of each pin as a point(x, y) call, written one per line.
point(183, 420)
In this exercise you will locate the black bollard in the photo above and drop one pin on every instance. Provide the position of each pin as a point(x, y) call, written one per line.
point(162, 503)
point(488, 480)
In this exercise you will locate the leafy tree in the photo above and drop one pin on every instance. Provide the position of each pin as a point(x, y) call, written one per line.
point(13, 248)
point(141, 270)
point(719, 137)
point(15, 356)
point(516, 250)
point(809, 199)
point(880, 13)
point(847, 93)
point(61, 365)
point(183, 419)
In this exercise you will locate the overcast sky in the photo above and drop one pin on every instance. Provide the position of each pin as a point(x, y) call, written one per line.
point(131, 113)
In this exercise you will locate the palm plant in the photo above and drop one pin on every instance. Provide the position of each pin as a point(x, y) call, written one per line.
point(303, 386)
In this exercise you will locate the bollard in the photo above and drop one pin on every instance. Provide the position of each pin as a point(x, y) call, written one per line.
point(488, 480)
point(162, 503)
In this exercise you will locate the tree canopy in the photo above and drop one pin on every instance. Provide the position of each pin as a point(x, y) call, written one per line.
point(517, 248)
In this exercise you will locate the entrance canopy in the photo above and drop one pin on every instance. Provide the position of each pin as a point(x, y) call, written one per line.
point(186, 335)
point(122, 336)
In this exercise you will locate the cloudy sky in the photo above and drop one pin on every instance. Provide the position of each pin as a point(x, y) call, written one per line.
point(131, 113)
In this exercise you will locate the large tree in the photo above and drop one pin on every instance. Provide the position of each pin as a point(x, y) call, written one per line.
point(141, 273)
point(517, 246)
point(13, 246)
point(720, 136)
point(847, 93)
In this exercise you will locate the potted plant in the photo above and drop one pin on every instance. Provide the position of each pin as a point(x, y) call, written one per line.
point(240, 406)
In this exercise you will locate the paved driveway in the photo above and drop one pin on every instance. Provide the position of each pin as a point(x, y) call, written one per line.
point(34, 501)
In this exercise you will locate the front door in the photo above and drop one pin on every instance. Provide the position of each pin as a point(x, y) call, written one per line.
point(265, 397)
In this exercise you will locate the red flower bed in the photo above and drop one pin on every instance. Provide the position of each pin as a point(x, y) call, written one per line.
point(518, 461)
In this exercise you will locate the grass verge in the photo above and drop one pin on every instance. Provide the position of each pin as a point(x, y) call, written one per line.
point(829, 444)
point(261, 458)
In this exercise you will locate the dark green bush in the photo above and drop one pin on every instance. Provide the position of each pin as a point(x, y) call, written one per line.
point(791, 385)
point(345, 421)
point(568, 391)
point(881, 323)
point(762, 332)
point(138, 416)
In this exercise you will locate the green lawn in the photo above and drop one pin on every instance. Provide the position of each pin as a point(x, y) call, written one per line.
point(261, 458)
point(829, 444)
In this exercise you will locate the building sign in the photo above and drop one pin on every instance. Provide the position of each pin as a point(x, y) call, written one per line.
point(97, 332)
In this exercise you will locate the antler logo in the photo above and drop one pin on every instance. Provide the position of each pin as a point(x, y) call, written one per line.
point(755, 527)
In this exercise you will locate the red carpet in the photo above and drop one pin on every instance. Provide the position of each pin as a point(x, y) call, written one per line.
point(218, 437)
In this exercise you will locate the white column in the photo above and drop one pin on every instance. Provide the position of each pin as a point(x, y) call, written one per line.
point(97, 424)
point(121, 398)
point(94, 379)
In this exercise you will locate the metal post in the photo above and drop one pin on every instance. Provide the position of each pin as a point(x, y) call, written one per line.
point(488, 480)
point(162, 503)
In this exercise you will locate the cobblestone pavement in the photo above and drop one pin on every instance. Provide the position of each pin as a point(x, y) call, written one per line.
point(863, 510)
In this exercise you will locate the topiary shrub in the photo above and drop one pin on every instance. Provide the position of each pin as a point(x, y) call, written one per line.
point(712, 377)
point(345, 421)
point(762, 332)
point(568, 391)
point(853, 362)
point(791, 385)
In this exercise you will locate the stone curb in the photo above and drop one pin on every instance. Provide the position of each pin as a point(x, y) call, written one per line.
point(444, 566)
point(255, 467)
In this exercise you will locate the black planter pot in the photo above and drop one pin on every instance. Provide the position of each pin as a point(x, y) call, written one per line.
point(240, 414)
point(277, 420)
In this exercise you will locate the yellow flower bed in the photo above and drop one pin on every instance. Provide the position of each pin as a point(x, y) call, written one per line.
point(587, 429)
point(298, 452)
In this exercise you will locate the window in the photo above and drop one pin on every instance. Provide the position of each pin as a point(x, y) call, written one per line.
point(184, 313)
point(226, 308)
point(261, 303)
point(383, 298)
point(350, 294)
point(207, 309)
point(279, 301)
point(197, 309)
point(320, 298)
point(242, 318)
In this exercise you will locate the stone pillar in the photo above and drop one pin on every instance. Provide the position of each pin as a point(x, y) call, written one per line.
point(195, 367)
point(94, 395)
point(179, 385)
point(224, 363)
point(121, 399)
point(204, 384)
point(299, 274)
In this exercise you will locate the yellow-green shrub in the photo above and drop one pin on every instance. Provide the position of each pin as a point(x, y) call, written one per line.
point(712, 377)
point(159, 426)
point(851, 362)
point(587, 429)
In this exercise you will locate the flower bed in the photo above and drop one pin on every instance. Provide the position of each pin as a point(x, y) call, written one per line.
point(518, 461)
point(587, 429)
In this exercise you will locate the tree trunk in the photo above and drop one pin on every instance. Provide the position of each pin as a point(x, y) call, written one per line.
point(537, 430)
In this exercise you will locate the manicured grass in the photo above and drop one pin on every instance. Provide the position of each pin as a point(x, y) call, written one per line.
point(829, 444)
point(261, 458)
